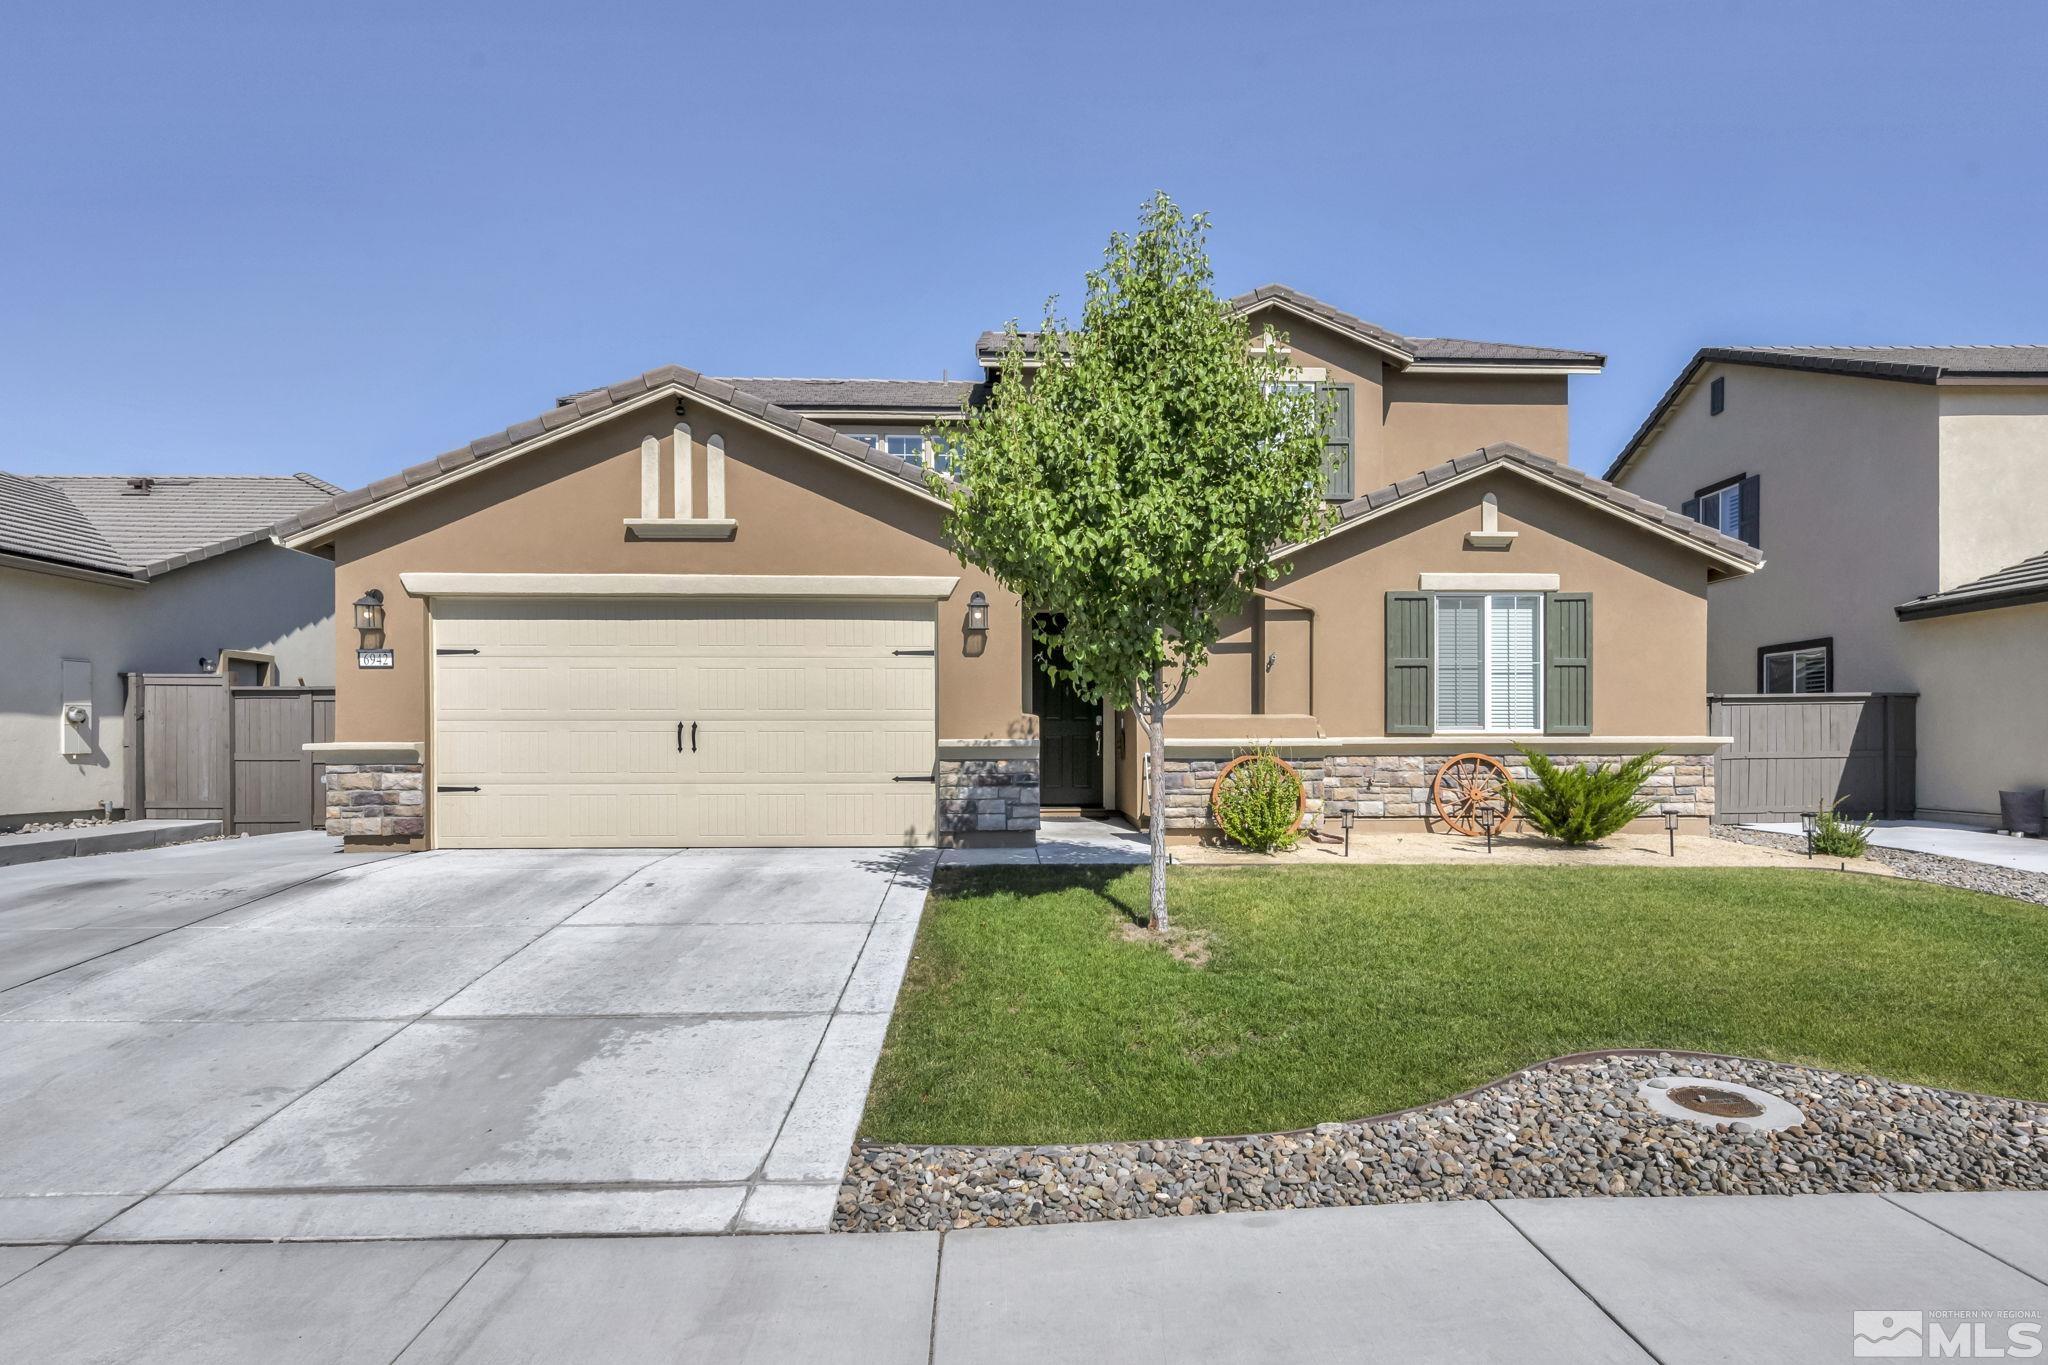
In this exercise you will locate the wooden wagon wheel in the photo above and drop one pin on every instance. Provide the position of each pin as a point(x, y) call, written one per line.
point(1466, 783)
point(1300, 787)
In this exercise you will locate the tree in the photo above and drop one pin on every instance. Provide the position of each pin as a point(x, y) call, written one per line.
point(1137, 483)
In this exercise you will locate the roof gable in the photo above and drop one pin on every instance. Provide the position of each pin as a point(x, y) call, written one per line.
point(1405, 352)
point(1899, 364)
point(1730, 556)
point(316, 525)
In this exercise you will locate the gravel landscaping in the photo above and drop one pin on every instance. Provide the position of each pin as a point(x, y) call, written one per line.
point(1925, 867)
point(1571, 1128)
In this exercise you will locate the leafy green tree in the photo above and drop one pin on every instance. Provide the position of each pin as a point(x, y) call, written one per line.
point(1136, 484)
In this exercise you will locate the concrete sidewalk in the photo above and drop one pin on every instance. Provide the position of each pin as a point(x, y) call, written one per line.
point(1578, 1280)
point(1966, 842)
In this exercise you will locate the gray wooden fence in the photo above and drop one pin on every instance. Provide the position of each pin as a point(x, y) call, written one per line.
point(200, 748)
point(1808, 751)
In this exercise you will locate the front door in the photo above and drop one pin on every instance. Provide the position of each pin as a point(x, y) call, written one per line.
point(1069, 744)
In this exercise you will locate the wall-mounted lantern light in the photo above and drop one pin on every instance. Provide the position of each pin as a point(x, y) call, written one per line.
point(370, 617)
point(977, 613)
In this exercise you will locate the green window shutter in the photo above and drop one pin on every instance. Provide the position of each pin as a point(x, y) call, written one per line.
point(1337, 441)
point(1568, 664)
point(1410, 654)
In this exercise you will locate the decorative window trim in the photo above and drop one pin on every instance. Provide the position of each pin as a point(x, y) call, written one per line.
point(1825, 646)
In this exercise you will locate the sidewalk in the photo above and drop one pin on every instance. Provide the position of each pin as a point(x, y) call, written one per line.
point(1949, 841)
point(1578, 1280)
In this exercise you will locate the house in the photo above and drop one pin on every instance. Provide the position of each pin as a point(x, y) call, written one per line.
point(686, 610)
point(102, 575)
point(1895, 491)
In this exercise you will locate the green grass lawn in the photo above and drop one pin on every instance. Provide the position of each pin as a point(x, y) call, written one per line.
point(1340, 992)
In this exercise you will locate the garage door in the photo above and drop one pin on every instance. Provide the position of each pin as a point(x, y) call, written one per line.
point(647, 722)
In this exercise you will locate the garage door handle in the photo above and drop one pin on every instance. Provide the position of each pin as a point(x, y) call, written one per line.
point(458, 789)
point(926, 652)
point(693, 736)
point(921, 777)
point(458, 651)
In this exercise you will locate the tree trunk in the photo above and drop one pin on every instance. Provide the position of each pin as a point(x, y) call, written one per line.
point(1156, 761)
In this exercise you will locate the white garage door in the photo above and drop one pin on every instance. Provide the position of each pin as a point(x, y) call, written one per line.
point(644, 722)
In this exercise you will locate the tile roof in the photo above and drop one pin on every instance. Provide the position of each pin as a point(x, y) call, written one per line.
point(143, 527)
point(589, 403)
point(1409, 351)
point(1905, 364)
point(2015, 585)
point(1621, 500)
point(936, 397)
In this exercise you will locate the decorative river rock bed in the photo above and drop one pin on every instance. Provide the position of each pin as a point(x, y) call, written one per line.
point(1574, 1127)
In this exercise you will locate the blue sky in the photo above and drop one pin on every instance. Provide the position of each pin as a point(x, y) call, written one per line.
point(346, 238)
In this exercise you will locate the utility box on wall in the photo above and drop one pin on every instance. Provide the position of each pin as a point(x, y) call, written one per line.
point(74, 709)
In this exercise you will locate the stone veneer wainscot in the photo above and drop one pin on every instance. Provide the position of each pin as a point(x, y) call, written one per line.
point(376, 800)
point(987, 796)
point(1396, 786)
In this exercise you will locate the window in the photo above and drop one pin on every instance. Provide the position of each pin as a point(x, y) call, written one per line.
point(1489, 652)
point(1337, 433)
point(1717, 397)
point(1722, 510)
point(915, 449)
point(1808, 666)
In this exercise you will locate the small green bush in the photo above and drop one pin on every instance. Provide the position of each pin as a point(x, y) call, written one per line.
point(1584, 804)
point(1257, 804)
point(1834, 837)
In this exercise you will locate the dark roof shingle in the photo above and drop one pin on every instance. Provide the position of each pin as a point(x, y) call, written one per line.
point(1417, 351)
point(2013, 586)
point(933, 397)
point(145, 526)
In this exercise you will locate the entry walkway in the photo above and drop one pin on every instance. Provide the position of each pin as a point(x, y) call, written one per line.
point(1565, 1280)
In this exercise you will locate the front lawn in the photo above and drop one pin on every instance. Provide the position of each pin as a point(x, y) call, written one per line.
point(1330, 993)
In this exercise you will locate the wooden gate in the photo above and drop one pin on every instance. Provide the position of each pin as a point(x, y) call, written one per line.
point(200, 748)
point(1807, 751)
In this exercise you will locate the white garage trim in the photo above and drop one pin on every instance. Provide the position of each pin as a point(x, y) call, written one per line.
point(866, 587)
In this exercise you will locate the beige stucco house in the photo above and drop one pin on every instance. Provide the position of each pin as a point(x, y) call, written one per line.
point(1895, 492)
point(685, 610)
point(106, 575)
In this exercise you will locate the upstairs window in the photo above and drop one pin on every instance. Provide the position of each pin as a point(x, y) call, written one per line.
point(1730, 507)
point(1808, 666)
point(916, 449)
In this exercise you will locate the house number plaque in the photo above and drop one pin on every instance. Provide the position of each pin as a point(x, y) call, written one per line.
point(375, 658)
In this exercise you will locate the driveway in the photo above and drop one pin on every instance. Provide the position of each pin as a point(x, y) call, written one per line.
point(267, 1039)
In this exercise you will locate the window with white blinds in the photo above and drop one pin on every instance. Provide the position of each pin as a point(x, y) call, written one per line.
point(1489, 656)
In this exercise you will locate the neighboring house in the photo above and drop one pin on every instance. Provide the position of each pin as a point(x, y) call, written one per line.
point(105, 575)
point(1896, 492)
point(685, 610)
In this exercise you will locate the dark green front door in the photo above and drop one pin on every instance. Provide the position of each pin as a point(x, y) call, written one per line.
point(1069, 744)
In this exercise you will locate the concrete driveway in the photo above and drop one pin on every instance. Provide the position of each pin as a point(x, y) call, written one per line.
point(268, 1039)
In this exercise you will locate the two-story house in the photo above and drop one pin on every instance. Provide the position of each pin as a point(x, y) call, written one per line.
point(1895, 494)
point(683, 610)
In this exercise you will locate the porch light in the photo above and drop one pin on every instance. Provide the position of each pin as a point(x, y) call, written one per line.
point(1809, 821)
point(1489, 820)
point(1347, 816)
point(370, 615)
point(1671, 829)
point(977, 613)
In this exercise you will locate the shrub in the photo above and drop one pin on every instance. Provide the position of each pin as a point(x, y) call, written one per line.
point(1257, 802)
point(1834, 837)
point(1583, 804)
